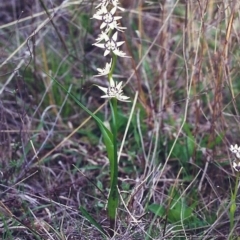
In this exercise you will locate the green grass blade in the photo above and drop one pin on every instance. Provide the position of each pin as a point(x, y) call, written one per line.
point(86, 214)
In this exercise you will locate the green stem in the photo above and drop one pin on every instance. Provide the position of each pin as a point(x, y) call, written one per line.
point(113, 196)
point(114, 57)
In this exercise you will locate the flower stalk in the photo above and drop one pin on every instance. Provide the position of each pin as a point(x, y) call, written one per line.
point(113, 195)
point(108, 41)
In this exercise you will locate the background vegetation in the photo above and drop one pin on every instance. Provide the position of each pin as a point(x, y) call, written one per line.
point(176, 174)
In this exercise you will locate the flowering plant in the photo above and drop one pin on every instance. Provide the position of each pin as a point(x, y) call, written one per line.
point(108, 40)
point(236, 165)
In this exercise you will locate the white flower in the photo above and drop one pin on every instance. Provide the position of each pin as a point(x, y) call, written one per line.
point(104, 3)
point(115, 3)
point(108, 18)
point(120, 53)
point(236, 165)
point(104, 71)
point(110, 45)
point(116, 26)
point(102, 36)
point(114, 91)
point(235, 149)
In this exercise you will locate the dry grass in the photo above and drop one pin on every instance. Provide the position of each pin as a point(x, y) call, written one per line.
point(185, 66)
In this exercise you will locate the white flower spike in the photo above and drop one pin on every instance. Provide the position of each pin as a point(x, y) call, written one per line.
point(114, 91)
point(109, 24)
point(104, 71)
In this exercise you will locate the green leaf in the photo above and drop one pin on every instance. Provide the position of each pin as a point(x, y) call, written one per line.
point(107, 135)
point(92, 220)
point(177, 211)
point(190, 141)
point(107, 138)
point(157, 209)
